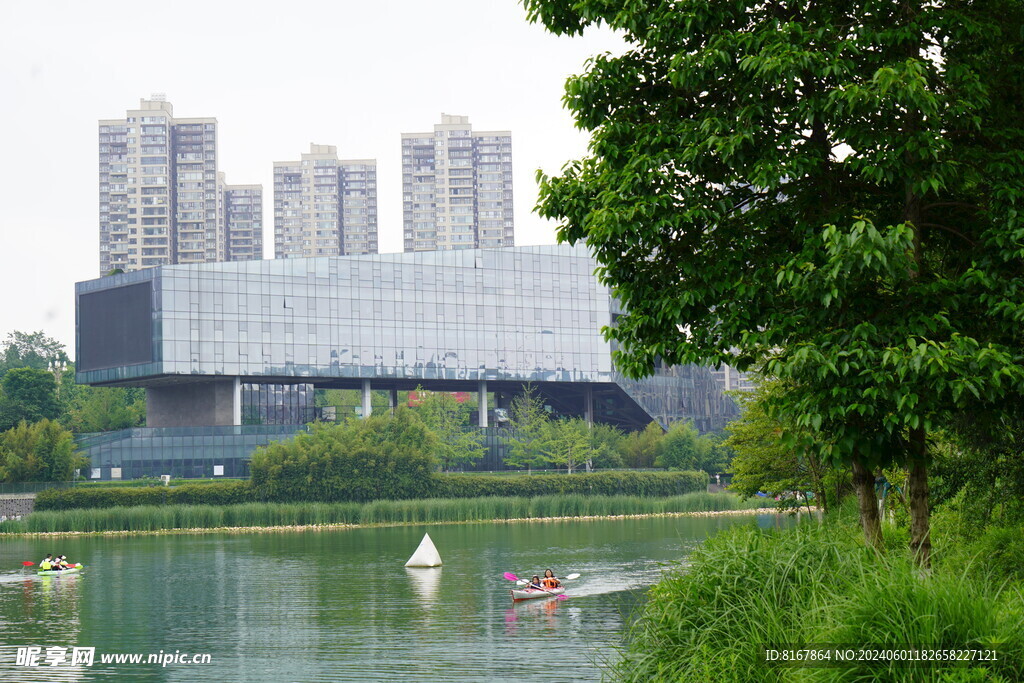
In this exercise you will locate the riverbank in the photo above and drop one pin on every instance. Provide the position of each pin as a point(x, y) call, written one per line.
point(750, 601)
point(271, 517)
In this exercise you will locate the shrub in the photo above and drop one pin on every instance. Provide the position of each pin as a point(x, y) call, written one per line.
point(657, 484)
point(381, 457)
point(82, 497)
point(41, 451)
point(432, 485)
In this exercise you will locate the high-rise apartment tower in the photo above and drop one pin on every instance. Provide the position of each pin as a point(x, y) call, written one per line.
point(325, 206)
point(161, 198)
point(457, 187)
point(242, 214)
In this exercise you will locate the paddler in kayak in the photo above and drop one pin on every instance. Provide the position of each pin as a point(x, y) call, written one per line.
point(549, 581)
point(534, 584)
point(47, 563)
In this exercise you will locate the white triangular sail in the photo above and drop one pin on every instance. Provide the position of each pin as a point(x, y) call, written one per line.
point(426, 555)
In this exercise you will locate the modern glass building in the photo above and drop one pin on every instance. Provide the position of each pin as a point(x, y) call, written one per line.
point(483, 320)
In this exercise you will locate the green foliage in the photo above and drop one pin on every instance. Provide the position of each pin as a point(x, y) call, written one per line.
point(43, 451)
point(104, 409)
point(764, 462)
point(968, 539)
point(217, 493)
point(358, 460)
point(831, 192)
point(606, 445)
point(640, 449)
point(979, 463)
point(32, 350)
point(28, 395)
point(717, 455)
point(458, 444)
point(439, 486)
point(567, 443)
point(747, 589)
point(595, 483)
point(683, 448)
point(528, 420)
point(192, 516)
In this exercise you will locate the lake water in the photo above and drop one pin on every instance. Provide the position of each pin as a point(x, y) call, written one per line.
point(338, 605)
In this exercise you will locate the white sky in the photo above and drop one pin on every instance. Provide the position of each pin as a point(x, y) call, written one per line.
point(277, 76)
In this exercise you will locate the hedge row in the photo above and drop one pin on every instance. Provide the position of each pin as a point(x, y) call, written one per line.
point(650, 484)
point(220, 493)
point(655, 484)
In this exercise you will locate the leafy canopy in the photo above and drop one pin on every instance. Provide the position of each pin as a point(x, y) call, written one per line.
point(528, 420)
point(380, 457)
point(27, 394)
point(43, 451)
point(830, 189)
point(458, 443)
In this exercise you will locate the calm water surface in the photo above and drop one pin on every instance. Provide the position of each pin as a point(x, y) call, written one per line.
point(339, 605)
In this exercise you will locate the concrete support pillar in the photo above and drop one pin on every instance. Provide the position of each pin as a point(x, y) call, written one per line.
point(481, 401)
point(393, 400)
point(214, 403)
point(588, 405)
point(367, 399)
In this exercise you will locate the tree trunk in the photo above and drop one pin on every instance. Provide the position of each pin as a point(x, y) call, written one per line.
point(818, 483)
point(917, 485)
point(864, 485)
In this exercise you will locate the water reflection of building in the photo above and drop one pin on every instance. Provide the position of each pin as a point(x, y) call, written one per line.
point(219, 347)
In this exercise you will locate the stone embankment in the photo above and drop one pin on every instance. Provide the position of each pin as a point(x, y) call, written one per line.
point(15, 505)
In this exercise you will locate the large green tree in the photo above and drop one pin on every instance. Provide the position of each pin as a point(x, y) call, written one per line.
point(567, 443)
point(32, 350)
point(763, 462)
point(458, 444)
point(641, 448)
point(606, 444)
point(104, 409)
point(683, 448)
point(43, 451)
point(528, 420)
point(831, 189)
point(29, 395)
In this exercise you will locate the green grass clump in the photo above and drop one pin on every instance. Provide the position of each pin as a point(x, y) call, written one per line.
point(748, 589)
point(431, 510)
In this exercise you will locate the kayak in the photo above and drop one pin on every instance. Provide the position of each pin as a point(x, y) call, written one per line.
point(518, 595)
point(55, 572)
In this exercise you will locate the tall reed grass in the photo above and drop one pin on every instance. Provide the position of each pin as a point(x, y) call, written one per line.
point(747, 589)
point(156, 518)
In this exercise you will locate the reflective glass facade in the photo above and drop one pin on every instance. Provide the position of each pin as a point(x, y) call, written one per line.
point(445, 320)
point(188, 452)
point(523, 314)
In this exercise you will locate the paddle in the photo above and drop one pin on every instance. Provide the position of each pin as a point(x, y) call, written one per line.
point(523, 582)
point(512, 577)
point(27, 564)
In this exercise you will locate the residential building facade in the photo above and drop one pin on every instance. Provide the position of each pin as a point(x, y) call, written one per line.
point(325, 206)
point(457, 187)
point(160, 198)
point(243, 221)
